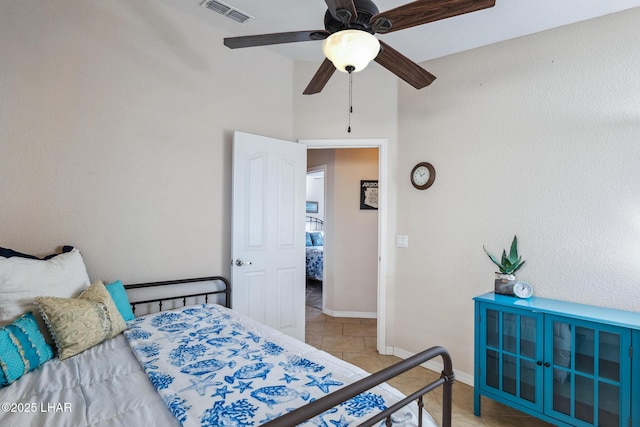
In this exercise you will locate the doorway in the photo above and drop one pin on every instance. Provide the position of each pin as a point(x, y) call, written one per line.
point(314, 227)
point(381, 214)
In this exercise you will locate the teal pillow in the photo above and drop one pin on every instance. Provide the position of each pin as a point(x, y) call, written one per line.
point(22, 348)
point(309, 242)
point(119, 296)
point(317, 238)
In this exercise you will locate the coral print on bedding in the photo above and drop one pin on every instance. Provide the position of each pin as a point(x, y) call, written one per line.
point(214, 367)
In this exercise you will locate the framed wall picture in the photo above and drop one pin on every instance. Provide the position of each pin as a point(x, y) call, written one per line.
point(369, 194)
point(312, 207)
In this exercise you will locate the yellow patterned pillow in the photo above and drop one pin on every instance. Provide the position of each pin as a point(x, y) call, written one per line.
point(77, 324)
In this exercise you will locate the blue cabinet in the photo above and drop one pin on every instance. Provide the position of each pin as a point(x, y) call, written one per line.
point(569, 364)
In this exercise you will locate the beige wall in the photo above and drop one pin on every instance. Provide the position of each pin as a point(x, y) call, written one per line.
point(537, 137)
point(315, 192)
point(115, 133)
point(351, 244)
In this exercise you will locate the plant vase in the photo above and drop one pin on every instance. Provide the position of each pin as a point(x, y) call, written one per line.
point(504, 283)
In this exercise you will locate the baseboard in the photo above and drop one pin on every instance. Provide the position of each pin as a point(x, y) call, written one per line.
point(358, 314)
point(435, 366)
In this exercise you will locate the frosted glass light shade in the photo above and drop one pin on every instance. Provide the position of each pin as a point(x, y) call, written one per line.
point(351, 47)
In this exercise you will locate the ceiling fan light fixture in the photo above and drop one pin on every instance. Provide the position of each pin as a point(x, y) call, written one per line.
point(351, 48)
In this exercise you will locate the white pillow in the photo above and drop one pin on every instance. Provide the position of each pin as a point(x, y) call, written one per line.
point(23, 279)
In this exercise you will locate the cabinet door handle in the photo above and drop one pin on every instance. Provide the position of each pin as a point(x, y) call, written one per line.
point(547, 364)
point(539, 363)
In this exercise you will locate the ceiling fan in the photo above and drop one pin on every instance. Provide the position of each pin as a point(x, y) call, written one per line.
point(345, 16)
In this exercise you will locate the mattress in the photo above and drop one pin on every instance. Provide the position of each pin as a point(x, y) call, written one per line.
point(103, 386)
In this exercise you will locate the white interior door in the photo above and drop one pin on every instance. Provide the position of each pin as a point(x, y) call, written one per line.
point(268, 237)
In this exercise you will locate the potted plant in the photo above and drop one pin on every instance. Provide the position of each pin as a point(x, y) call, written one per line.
point(507, 265)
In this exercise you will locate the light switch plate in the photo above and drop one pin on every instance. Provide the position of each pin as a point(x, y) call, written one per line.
point(402, 241)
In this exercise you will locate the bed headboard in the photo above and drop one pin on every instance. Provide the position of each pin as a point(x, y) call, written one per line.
point(152, 297)
point(313, 224)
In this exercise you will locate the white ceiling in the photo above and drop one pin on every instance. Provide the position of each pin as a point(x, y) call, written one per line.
point(506, 20)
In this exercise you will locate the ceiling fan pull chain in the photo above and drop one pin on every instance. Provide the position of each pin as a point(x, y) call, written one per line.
point(350, 71)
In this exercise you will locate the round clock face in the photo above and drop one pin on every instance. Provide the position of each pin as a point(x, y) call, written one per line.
point(423, 175)
point(522, 289)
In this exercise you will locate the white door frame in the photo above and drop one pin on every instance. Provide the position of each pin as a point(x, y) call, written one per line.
point(381, 145)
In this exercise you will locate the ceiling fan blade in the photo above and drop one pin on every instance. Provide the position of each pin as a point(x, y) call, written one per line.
point(424, 11)
point(336, 8)
point(403, 67)
point(275, 38)
point(320, 78)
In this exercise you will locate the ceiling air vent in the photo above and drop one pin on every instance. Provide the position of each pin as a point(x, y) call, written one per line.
point(226, 10)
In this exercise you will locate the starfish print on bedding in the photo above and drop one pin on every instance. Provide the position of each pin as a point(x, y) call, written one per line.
point(243, 352)
point(255, 338)
point(323, 383)
point(288, 378)
point(257, 357)
point(242, 386)
point(222, 392)
point(201, 385)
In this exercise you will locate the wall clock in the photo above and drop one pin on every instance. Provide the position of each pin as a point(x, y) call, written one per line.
point(422, 175)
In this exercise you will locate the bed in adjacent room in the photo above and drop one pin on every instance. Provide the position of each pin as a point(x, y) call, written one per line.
point(173, 353)
point(314, 248)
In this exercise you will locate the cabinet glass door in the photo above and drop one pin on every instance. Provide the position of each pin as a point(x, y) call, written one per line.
point(512, 349)
point(586, 370)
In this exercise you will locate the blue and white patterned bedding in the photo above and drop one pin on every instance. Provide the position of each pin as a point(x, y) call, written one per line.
point(315, 256)
point(214, 367)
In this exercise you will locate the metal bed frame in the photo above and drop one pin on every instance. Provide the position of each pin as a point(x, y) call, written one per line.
point(327, 402)
point(313, 224)
point(310, 410)
point(226, 291)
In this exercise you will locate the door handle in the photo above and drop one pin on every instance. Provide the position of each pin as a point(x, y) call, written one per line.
point(240, 262)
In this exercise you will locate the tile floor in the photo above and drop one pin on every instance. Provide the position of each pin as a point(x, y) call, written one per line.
point(354, 340)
